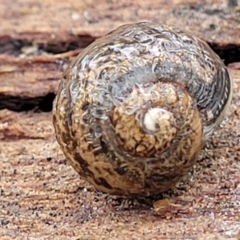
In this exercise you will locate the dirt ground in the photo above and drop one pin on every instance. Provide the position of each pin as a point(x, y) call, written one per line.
point(41, 196)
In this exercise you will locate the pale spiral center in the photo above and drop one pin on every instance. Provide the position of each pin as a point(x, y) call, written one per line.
point(158, 119)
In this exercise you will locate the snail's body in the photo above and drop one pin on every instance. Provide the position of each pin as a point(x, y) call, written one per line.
point(135, 107)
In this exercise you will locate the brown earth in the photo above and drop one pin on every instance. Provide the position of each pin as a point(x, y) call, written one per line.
point(41, 197)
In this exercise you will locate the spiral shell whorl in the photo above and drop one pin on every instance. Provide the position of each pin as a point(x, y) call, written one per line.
point(134, 108)
point(151, 119)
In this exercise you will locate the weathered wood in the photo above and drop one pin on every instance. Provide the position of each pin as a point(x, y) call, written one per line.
point(36, 39)
point(55, 21)
point(41, 196)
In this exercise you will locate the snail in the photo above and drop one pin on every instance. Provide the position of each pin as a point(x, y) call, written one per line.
point(135, 107)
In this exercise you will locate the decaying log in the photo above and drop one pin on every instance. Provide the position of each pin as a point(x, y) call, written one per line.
point(41, 197)
point(37, 39)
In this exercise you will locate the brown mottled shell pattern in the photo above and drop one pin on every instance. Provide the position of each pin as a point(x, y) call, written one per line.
point(134, 108)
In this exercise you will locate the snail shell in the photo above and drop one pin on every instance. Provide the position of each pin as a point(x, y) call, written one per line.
point(134, 108)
